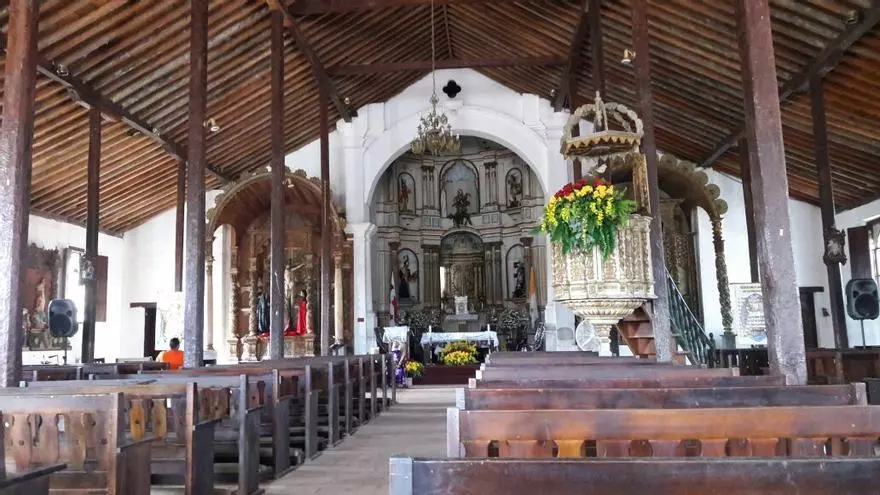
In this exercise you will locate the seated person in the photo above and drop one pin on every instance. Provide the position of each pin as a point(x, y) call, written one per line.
point(173, 356)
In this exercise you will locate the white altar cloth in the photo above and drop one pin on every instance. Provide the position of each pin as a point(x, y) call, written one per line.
point(446, 337)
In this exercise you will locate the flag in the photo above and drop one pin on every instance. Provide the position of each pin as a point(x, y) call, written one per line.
point(393, 299)
point(533, 297)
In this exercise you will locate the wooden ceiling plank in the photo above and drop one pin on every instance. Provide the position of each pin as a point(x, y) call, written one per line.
point(423, 65)
point(823, 64)
point(568, 81)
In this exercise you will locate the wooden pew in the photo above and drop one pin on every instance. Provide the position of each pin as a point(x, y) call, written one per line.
point(32, 481)
point(635, 382)
point(548, 359)
point(805, 431)
point(183, 431)
point(600, 371)
point(626, 477)
point(473, 399)
point(85, 432)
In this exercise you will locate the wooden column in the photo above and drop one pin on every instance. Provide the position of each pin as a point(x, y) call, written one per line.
point(594, 15)
point(326, 226)
point(194, 309)
point(16, 139)
point(785, 338)
point(276, 295)
point(859, 240)
point(662, 334)
point(92, 224)
point(338, 321)
point(209, 296)
point(745, 170)
point(178, 226)
point(826, 203)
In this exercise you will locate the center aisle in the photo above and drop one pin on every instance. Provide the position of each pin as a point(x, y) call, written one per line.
point(415, 426)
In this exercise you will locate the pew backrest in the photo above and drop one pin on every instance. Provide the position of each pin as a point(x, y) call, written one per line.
point(631, 382)
point(624, 477)
point(475, 399)
point(757, 431)
point(600, 371)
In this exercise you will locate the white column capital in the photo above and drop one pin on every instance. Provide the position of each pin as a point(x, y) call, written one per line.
point(361, 230)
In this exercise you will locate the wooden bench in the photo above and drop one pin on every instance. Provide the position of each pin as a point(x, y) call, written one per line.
point(526, 359)
point(85, 432)
point(32, 481)
point(473, 399)
point(635, 382)
point(600, 371)
point(636, 476)
point(761, 431)
point(834, 366)
point(179, 418)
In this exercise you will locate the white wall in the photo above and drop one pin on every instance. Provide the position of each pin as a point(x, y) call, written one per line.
point(854, 218)
point(109, 335)
point(806, 225)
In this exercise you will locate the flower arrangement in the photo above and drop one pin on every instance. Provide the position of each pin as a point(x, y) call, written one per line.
point(584, 215)
point(414, 369)
point(458, 358)
point(458, 354)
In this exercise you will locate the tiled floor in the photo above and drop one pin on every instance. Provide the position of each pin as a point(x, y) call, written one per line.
point(359, 465)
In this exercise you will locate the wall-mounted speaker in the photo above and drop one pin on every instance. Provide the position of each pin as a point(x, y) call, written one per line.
point(62, 318)
point(862, 300)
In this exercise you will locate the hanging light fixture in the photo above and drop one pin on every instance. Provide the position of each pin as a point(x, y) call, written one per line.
point(435, 132)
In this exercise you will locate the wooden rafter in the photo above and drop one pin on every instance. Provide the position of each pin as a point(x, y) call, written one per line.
point(313, 7)
point(352, 70)
point(320, 73)
point(824, 63)
point(568, 81)
point(85, 93)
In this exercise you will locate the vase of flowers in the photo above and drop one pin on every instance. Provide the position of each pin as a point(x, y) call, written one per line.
point(601, 264)
point(413, 369)
point(459, 354)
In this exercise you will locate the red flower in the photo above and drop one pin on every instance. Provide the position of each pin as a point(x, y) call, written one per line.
point(580, 184)
point(598, 182)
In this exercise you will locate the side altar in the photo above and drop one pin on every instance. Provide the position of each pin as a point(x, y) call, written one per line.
point(244, 207)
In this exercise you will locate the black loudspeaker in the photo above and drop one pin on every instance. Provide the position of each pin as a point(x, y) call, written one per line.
point(861, 299)
point(62, 318)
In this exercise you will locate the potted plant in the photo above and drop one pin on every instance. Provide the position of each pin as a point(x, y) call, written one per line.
point(413, 369)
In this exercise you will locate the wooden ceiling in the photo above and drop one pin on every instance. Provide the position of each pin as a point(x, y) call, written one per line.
point(133, 56)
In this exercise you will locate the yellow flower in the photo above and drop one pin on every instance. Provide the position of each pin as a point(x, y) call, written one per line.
point(570, 197)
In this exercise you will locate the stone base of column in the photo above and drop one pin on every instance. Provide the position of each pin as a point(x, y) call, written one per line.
point(299, 345)
point(234, 348)
point(250, 349)
point(728, 340)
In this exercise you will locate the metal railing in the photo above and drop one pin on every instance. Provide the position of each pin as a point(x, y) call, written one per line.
point(687, 330)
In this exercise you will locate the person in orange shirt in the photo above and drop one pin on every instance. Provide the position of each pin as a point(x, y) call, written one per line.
point(173, 356)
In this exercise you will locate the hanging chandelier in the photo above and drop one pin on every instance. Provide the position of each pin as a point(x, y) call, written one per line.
point(434, 134)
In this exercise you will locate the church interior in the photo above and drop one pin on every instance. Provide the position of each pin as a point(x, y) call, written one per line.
point(439, 246)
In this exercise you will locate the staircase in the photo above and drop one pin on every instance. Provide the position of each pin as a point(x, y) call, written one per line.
point(694, 346)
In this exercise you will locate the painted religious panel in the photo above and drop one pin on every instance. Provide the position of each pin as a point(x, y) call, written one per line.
point(406, 193)
point(748, 314)
point(407, 275)
point(516, 273)
point(514, 188)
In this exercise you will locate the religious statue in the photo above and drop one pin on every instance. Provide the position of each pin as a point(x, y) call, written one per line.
point(461, 201)
point(514, 189)
point(835, 240)
point(403, 194)
point(263, 312)
point(302, 314)
point(519, 278)
point(406, 276)
point(39, 320)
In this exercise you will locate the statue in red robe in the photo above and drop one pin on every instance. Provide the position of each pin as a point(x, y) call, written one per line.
point(302, 315)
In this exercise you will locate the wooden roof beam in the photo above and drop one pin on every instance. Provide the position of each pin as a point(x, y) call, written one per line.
point(568, 81)
point(321, 76)
point(84, 93)
point(363, 69)
point(315, 7)
point(824, 63)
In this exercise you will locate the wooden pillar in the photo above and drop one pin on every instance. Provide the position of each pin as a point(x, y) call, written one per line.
point(92, 224)
point(16, 139)
point(859, 239)
point(209, 296)
point(745, 170)
point(338, 322)
point(276, 295)
point(326, 225)
point(178, 226)
point(826, 203)
point(594, 17)
point(785, 338)
point(194, 309)
point(728, 338)
point(662, 334)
